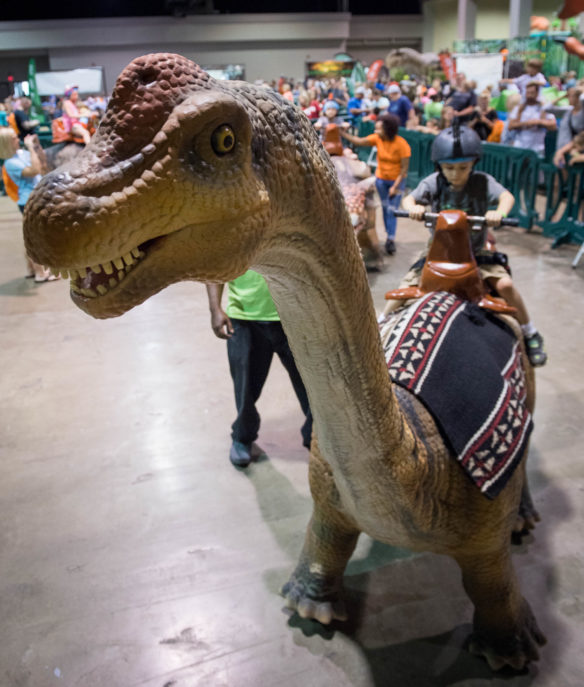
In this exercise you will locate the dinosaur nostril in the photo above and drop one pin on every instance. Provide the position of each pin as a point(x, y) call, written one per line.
point(148, 76)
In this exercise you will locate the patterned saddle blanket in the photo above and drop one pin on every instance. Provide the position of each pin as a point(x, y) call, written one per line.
point(464, 364)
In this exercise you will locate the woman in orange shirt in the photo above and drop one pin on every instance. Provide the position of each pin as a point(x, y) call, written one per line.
point(393, 159)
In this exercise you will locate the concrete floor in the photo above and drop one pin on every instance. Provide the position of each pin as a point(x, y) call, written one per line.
point(132, 552)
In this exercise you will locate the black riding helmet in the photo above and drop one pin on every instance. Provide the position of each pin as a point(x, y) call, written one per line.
point(456, 144)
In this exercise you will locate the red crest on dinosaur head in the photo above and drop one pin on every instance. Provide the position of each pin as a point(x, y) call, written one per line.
point(145, 93)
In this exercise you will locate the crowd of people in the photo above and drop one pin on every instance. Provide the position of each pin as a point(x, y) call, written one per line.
point(70, 118)
point(517, 112)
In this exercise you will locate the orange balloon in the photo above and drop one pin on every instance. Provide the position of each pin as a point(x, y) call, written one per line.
point(574, 47)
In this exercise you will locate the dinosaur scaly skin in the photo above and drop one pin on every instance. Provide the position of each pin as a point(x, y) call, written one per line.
point(191, 178)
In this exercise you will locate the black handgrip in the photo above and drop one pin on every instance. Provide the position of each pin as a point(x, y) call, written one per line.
point(430, 216)
point(510, 222)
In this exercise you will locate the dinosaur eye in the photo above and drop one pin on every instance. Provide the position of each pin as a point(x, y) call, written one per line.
point(223, 139)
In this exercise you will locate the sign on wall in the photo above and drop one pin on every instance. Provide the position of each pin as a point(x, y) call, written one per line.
point(329, 69)
point(90, 81)
point(484, 68)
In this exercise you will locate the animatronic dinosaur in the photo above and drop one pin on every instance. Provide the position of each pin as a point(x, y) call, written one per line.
point(188, 178)
point(358, 187)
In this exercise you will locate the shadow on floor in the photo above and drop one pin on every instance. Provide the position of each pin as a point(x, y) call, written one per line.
point(388, 598)
point(19, 287)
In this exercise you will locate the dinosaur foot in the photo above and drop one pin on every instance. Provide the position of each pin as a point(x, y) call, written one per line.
point(515, 650)
point(312, 596)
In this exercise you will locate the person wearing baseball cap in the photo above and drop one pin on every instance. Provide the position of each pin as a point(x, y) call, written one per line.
point(356, 106)
point(399, 104)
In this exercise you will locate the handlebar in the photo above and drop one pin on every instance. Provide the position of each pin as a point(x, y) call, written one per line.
point(473, 219)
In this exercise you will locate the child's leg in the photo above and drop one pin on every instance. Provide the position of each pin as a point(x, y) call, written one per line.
point(81, 132)
point(533, 339)
point(506, 289)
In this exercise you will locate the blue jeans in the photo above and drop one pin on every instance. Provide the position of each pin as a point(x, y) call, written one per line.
point(388, 205)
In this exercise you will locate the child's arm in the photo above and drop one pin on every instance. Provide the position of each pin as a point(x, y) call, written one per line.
point(35, 166)
point(576, 159)
point(515, 122)
point(560, 154)
point(410, 205)
point(506, 203)
point(547, 120)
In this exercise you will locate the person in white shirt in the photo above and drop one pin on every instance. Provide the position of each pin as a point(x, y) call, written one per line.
point(533, 75)
point(530, 121)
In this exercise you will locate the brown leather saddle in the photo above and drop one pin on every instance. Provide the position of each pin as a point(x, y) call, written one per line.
point(332, 141)
point(451, 266)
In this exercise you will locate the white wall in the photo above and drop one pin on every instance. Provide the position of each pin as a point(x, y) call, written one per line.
point(269, 45)
point(441, 27)
point(259, 64)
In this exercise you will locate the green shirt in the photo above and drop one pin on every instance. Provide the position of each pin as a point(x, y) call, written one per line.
point(248, 298)
point(432, 110)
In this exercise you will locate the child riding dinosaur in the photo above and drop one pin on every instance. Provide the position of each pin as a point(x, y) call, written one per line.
point(456, 185)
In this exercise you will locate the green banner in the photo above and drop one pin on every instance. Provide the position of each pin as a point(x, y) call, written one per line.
point(548, 47)
point(37, 111)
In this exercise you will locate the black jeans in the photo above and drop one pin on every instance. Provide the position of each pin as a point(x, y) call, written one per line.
point(250, 351)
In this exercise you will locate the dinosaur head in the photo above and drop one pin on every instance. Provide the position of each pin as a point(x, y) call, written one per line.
point(166, 185)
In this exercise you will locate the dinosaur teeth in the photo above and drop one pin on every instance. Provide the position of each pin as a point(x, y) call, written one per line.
point(99, 279)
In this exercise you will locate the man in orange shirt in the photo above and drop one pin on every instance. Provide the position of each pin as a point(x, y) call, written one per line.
point(393, 159)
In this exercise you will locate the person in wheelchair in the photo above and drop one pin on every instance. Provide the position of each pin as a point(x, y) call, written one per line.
point(457, 185)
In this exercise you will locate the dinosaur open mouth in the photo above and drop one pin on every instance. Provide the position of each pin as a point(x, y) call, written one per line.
point(97, 280)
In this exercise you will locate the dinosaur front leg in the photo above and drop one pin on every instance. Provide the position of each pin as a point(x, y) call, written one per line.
point(505, 629)
point(315, 587)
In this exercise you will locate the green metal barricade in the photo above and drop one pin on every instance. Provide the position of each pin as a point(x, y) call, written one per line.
point(365, 129)
point(518, 170)
point(421, 161)
point(569, 226)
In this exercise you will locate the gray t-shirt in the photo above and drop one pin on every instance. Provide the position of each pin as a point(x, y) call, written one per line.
point(480, 193)
point(570, 125)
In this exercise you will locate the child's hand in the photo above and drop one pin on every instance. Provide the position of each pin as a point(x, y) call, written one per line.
point(493, 218)
point(417, 212)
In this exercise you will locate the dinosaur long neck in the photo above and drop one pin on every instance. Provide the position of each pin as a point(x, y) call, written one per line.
point(318, 282)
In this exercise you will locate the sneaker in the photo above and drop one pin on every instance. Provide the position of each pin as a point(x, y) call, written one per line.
point(535, 350)
point(390, 246)
point(240, 454)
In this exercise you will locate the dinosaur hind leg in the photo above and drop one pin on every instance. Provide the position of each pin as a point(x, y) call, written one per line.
point(527, 515)
point(505, 629)
point(315, 587)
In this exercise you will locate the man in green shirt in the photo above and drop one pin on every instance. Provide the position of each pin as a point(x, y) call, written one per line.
point(254, 333)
